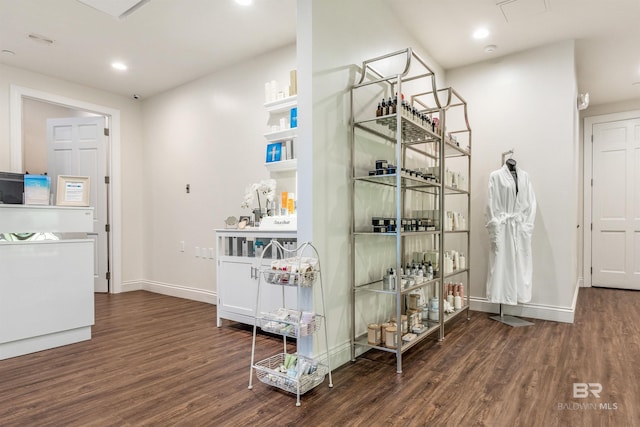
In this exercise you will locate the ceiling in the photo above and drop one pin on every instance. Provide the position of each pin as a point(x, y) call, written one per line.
point(167, 43)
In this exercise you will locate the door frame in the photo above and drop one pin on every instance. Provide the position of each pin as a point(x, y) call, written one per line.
point(589, 122)
point(16, 96)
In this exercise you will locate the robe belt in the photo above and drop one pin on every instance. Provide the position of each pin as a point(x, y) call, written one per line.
point(510, 217)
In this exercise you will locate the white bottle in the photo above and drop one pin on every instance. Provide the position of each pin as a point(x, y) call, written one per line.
point(450, 299)
point(457, 301)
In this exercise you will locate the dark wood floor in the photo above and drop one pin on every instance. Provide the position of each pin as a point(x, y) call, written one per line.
point(159, 361)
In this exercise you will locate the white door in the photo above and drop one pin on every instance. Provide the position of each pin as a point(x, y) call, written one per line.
point(615, 253)
point(78, 146)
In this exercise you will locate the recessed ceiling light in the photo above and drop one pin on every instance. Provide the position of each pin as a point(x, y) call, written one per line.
point(635, 84)
point(481, 33)
point(119, 66)
point(244, 2)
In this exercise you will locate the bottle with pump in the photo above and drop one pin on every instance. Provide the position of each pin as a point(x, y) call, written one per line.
point(379, 110)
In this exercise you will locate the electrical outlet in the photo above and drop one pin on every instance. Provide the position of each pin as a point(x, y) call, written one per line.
point(181, 245)
point(197, 252)
point(210, 253)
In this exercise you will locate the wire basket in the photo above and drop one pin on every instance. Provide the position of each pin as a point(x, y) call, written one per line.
point(289, 329)
point(269, 372)
point(278, 277)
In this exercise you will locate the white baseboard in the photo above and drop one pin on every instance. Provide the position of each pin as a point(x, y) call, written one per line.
point(173, 290)
point(533, 311)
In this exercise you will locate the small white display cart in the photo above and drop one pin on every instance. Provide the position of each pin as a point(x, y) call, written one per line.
point(295, 373)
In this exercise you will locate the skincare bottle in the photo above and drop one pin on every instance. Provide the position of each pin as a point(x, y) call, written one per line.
point(383, 105)
point(291, 208)
point(379, 110)
point(450, 298)
point(457, 301)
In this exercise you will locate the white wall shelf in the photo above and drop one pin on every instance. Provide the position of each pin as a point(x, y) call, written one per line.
point(280, 135)
point(282, 105)
point(282, 166)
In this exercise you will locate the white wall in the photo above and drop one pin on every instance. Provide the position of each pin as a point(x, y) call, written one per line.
point(131, 169)
point(527, 102)
point(331, 45)
point(208, 134)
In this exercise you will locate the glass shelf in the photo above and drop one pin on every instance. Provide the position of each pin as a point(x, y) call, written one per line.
point(412, 133)
point(406, 181)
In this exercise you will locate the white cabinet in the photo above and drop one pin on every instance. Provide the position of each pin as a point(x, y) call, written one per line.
point(46, 289)
point(237, 278)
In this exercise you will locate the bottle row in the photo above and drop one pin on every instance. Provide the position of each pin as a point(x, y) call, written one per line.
point(454, 261)
point(419, 311)
point(273, 92)
point(454, 221)
point(414, 274)
point(254, 247)
point(390, 106)
point(454, 179)
point(390, 224)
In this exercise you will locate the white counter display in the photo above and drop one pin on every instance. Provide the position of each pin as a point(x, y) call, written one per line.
point(46, 286)
point(237, 281)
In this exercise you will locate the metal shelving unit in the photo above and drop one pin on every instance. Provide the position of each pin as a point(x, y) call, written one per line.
point(413, 143)
point(294, 373)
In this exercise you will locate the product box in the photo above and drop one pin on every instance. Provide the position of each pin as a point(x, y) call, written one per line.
point(293, 117)
point(293, 80)
point(274, 152)
point(37, 189)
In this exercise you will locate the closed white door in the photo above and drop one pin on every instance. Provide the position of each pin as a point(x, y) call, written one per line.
point(78, 146)
point(615, 254)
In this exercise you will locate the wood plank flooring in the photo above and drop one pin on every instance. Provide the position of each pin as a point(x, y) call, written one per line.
point(155, 360)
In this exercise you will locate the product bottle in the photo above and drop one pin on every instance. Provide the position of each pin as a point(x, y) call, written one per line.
point(450, 298)
point(390, 109)
point(291, 204)
point(430, 271)
point(457, 301)
point(383, 104)
point(379, 110)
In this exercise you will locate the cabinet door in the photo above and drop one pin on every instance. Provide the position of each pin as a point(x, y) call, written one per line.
point(237, 291)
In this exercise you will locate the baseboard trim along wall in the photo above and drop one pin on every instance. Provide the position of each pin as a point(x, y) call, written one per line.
point(172, 290)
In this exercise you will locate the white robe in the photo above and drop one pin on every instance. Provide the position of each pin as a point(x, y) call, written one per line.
point(510, 225)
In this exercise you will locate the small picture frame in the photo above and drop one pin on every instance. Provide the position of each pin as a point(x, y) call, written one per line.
point(73, 190)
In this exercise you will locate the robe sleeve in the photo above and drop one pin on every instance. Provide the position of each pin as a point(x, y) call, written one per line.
point(490, 210)
point(529, 215)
